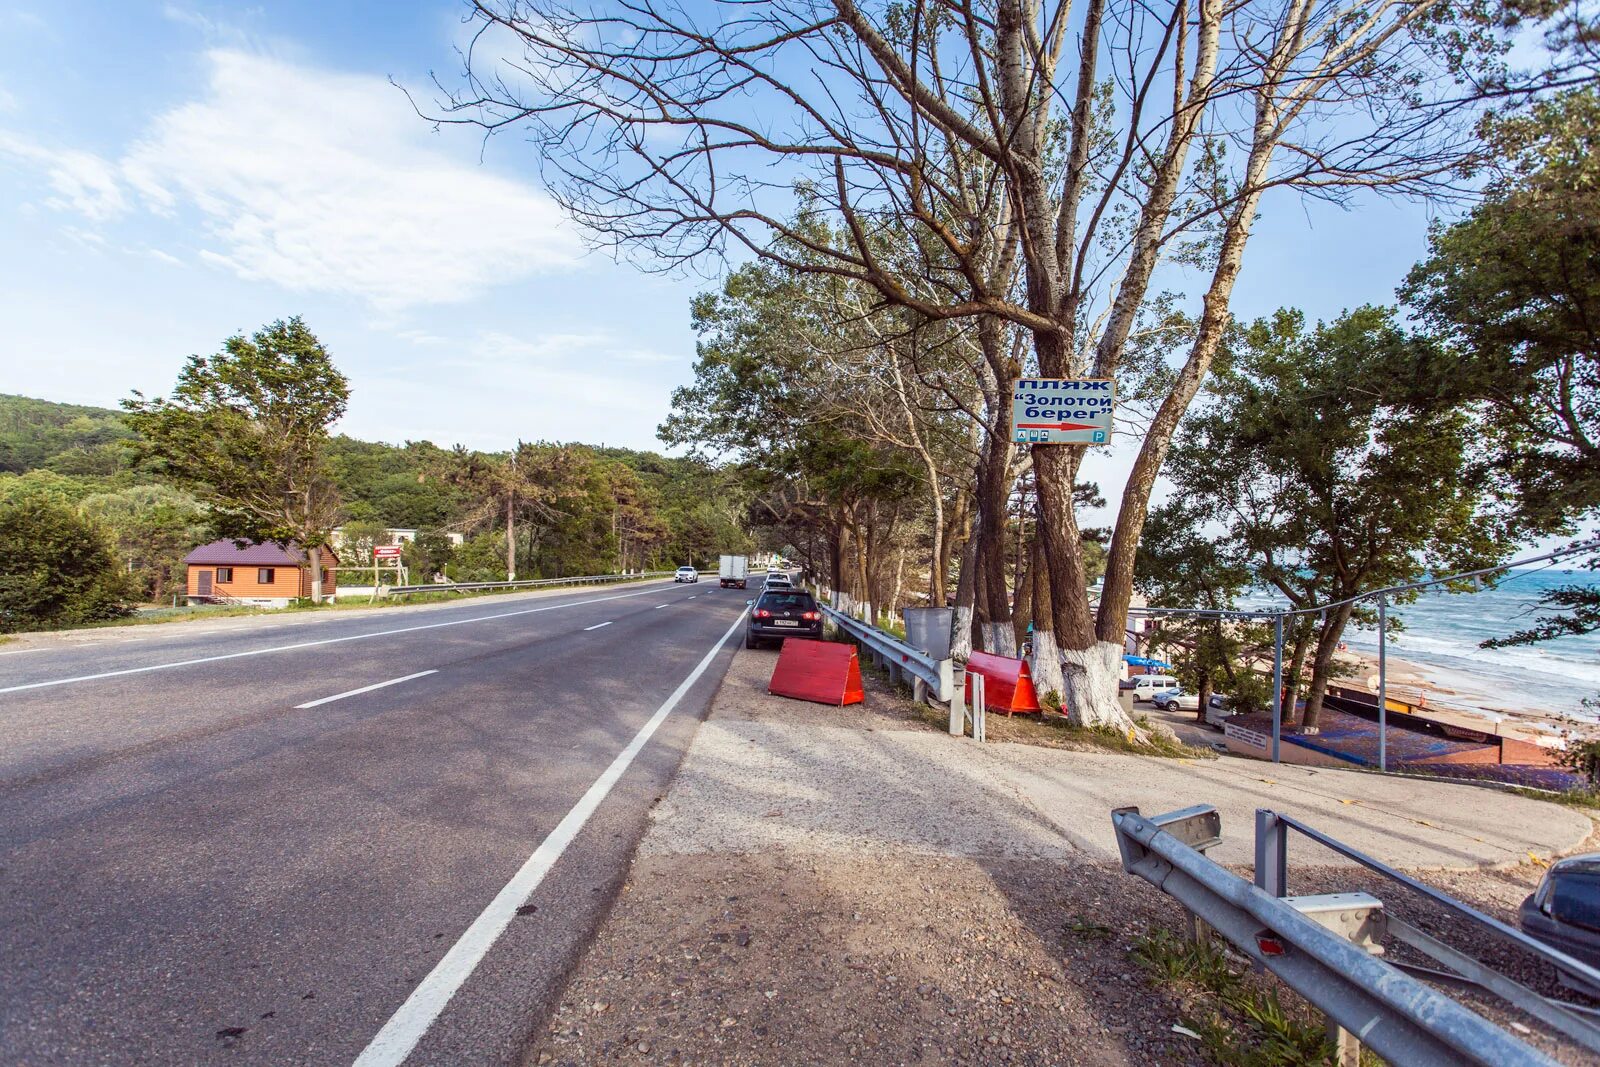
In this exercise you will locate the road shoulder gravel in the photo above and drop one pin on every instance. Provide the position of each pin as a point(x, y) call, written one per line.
point(850, 885)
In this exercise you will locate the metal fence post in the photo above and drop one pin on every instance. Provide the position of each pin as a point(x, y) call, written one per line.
point(1383, 683)
point(1277, 684)
point(1272, 854)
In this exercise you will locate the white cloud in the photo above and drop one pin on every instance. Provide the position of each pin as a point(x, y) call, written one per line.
point(320, 182)
point(82, 181)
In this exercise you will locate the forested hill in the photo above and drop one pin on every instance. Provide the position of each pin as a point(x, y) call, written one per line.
point(582, 509)
point(67, 438)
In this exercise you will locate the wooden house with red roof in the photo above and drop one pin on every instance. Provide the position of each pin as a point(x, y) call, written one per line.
point(266, 574)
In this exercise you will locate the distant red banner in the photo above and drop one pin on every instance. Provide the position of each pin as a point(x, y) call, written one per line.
point(387, 551)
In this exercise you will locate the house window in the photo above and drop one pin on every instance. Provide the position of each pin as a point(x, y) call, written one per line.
point(264, 575)
point(224, 574)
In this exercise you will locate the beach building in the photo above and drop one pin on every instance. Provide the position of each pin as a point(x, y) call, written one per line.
point(396, 535)
point(263, 574)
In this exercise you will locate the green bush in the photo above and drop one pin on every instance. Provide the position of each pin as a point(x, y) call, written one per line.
point(57, 569)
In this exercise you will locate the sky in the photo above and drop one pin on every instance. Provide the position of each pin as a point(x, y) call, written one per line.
point(175, 173)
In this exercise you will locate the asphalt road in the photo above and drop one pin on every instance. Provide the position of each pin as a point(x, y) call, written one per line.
point(204, 859)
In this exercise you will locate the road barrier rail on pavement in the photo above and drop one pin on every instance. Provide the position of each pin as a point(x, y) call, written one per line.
point(1327, 948)
point(930, 677)
point(534, 583)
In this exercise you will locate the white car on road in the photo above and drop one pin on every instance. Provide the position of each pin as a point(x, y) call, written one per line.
point(1177, 700)
point(686, 574)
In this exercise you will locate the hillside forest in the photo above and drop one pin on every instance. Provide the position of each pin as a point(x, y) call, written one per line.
point(576, 509)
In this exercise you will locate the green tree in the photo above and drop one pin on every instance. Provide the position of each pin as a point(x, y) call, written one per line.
point(1513, 293)
point(247, 431)
point(152, 527)
point(1338, 464)
point(1179, 566)
point(57, 569)
point(429, 554)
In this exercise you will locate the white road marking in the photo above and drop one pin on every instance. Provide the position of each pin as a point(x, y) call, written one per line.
point(658, 607)
point(20, 651)
point(323, 641)
point(407, 1026)
point(363, 689)
point(691, 598)
point(596, 626)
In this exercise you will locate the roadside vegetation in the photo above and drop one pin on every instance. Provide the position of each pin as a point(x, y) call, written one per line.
point(103, 505)
point(914, 257)
point(1238, 1020)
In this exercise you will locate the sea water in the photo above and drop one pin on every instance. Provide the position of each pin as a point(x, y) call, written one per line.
point(1442, 633)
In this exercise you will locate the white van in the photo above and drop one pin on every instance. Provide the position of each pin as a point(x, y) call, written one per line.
point(1146, 686)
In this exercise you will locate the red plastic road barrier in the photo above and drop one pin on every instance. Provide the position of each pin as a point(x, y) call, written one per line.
point(825, 672)
point(1007, 685)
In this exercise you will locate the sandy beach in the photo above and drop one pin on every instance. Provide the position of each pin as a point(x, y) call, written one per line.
point(1442, 696)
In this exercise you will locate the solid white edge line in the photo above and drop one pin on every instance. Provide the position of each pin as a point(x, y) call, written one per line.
point(411, 1021)
point(324, 641)
point(363, 689)
point(596, 626)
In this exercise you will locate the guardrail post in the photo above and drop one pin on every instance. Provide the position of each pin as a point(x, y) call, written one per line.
point(958, 710)
point(919, 690)
point(1346, 1049)
point(1272, 854)
point(980, 710)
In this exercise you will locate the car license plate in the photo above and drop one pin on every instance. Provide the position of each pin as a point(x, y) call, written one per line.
point(784, 622)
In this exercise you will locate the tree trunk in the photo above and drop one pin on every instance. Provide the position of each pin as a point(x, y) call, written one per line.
point(1046, 665)
point(314, 556)
point(1304, 627)
point(966, 595)
point(1322, 665)
point(1091, 668)
point(899, 574)
point(994, 491)
point(511, 536)
point(1022, 598)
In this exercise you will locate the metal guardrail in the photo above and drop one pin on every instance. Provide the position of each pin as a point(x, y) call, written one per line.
point(532, 583)
point(930, 676)
point(1326, 947)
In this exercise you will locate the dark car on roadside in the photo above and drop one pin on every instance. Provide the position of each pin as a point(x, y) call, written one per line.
point(1564, 913)
point(780, 613)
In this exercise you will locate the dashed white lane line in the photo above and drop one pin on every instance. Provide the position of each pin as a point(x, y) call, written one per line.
point(407, 1026)
point(691, 598)
point(323, 641)
point(596, 626)
point(658, 607)
point(363, 689)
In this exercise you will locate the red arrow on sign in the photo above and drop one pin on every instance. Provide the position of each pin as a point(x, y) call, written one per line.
point(1057, 426)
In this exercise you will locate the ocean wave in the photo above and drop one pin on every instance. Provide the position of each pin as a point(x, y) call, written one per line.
point(1573, 667)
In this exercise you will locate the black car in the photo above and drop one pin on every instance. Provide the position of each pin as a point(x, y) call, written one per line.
point(781, 613)
point(1564, 913)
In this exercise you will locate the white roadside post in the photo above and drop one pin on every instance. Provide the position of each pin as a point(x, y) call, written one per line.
point(980, 710)
point(958, 710)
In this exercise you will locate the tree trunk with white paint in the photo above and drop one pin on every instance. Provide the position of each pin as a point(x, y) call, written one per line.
point(961, 617)
point(314, 557)
point(1091, 676)
point(1046, 666)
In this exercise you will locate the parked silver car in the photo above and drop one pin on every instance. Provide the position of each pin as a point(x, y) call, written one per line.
point(1217, 709)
